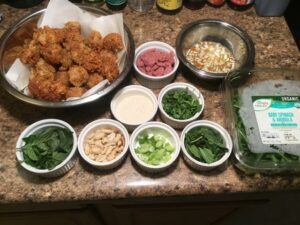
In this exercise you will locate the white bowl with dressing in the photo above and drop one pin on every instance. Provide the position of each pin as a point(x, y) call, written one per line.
point(134, 105)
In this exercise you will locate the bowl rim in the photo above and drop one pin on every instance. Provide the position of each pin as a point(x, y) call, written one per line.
point(31, 129)
point(232, 27)
point(130, 88)
point(99, 123)
point(159, 125)
point(155, 45)
point(184, 86)
point(71, 103)
point(217, 127)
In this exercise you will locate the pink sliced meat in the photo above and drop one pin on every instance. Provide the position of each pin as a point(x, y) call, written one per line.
point(155, 62)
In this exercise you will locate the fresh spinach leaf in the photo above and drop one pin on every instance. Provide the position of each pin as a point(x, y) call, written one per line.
point(205, 144)
point(47, 148)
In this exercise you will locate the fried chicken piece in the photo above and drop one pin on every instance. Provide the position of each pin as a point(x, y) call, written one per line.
point(43, 71)
point(52, 53)
point(75, 92)
point(63, 77)
point(72, 27)
point(109, 69)
point(78, 76)
point(94, 79)
point(91, 61)
point(66, 60)
point(95, 41)
point(113, 42)
point(72, 34)
point(31, 53)
point(77, 51)
point(47, 35)
point(47, 89)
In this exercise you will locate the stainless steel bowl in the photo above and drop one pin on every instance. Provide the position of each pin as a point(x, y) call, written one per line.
point(23, 29)
point(229, 35)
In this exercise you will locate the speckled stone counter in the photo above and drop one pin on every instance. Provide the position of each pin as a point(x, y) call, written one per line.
point(274, 47)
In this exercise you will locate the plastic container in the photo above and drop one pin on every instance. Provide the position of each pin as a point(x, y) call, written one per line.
point(263, 114)
point(271, 7)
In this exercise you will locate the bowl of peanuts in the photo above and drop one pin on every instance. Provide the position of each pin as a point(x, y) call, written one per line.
point(103, 143)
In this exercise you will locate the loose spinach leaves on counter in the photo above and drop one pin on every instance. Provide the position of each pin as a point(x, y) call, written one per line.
point(280, 157)
point(48, 148)
point(205, 144)
point(180, 104)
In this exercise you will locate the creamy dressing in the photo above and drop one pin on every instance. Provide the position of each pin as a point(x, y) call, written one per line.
point(134, 108)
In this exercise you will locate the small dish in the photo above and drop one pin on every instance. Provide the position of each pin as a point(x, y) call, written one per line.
point(190, 89)
point(100, 129)
point(152, 81)
point(191, 161)
point(37, 127)
point(169, 137)
point(134, 105)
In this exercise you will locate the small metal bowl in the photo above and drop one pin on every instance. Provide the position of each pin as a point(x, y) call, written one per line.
point(23, 29)
point(229, 35)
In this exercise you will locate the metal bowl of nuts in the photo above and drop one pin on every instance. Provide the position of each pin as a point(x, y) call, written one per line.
point(103, 143)
point(212, 48)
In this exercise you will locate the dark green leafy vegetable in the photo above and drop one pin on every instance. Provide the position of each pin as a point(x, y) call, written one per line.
point(154, 149)
point(205, 144)
point(180, 104)
point(280, 157)
point(47, 148)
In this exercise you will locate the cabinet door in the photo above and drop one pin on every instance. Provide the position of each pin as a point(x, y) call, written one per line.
point(203, 213)
point(61, 217)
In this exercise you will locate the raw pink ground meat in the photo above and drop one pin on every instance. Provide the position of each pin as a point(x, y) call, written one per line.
point(155, 62)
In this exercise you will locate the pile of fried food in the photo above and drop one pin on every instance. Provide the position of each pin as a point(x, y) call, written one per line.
point(64, 64)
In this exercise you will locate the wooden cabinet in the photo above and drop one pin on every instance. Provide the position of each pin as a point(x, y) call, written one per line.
point(175, 213)
point(51, 216)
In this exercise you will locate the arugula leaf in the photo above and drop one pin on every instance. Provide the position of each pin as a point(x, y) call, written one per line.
point(48, 147)
point(180, 104)
point(205, 144)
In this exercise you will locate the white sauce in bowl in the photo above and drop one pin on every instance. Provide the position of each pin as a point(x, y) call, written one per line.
point(134, 107)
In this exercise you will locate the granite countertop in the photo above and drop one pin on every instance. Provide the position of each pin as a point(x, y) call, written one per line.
point(274, 47)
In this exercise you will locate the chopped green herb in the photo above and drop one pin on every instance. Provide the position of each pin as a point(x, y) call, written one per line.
point(47, 148)
point(205, 144)
point(154, 149)
point(180, 104)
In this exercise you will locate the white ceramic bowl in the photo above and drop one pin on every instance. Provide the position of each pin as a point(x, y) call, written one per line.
point(91, 127)
point(200, 165)
point(134, 105)
point(151, 81)
point(176, 123)
point(155, 128)
point(60, 169)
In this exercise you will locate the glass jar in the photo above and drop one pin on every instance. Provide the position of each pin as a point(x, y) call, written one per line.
point(141, 5)
point(169, 6)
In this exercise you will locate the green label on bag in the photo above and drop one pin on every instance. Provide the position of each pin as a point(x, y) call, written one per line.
point(278, 118)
